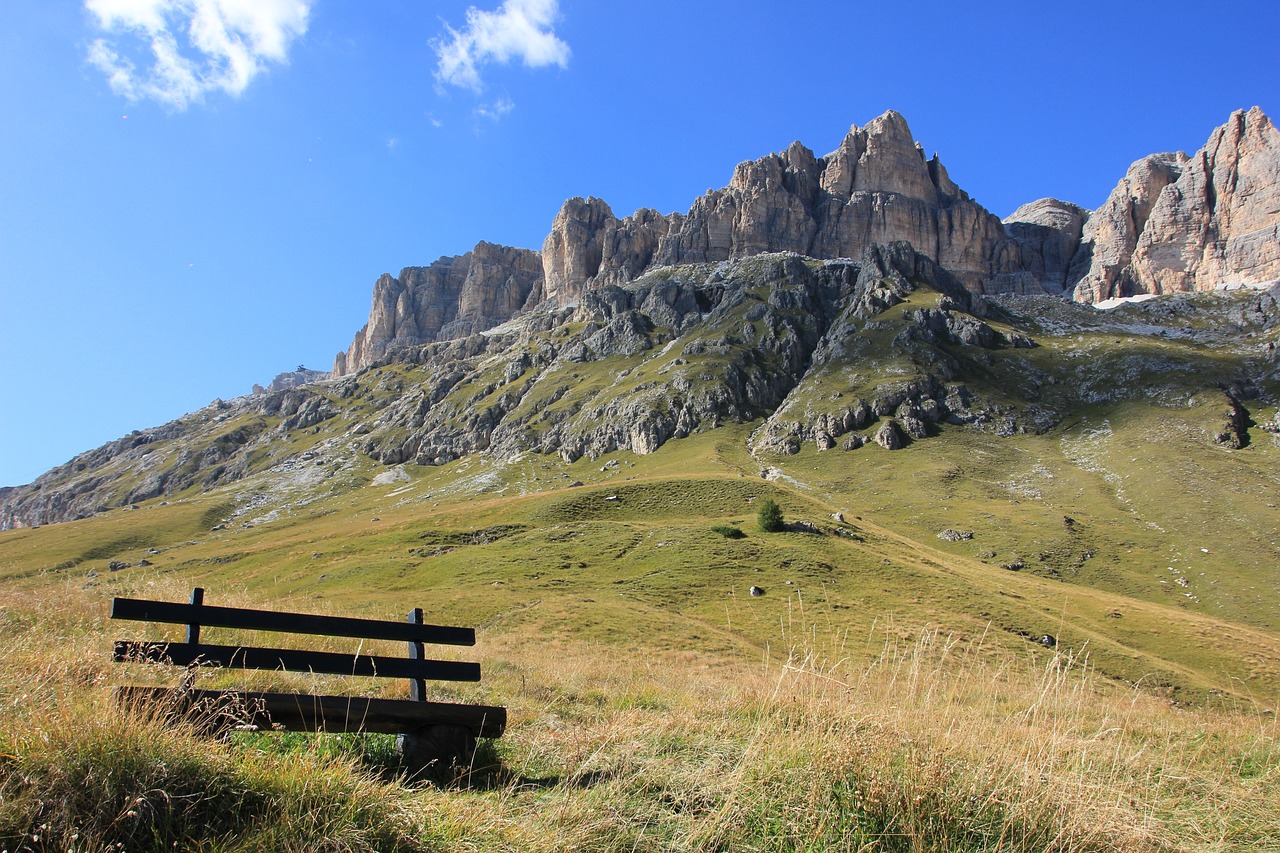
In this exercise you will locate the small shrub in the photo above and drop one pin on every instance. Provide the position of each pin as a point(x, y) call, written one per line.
point(728, 531)
point(770, 517)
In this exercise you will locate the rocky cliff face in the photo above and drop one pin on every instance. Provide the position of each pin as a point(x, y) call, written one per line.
point(452, 297)
point(839, 300)
point(877, 187)
point(1048, 232)
point(1173, 223)
point(1178, 223)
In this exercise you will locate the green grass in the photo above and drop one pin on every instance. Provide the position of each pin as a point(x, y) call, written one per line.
point(631, 557)
point(888, 691)
point(921, 741)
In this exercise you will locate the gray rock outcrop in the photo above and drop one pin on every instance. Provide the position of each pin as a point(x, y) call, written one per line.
point(292, 379)
point(1048, 232)
point(890, 436)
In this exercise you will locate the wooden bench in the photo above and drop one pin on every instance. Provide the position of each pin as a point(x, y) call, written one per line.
point(438, 734)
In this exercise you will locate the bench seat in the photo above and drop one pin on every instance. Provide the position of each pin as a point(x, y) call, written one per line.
point(334, 714)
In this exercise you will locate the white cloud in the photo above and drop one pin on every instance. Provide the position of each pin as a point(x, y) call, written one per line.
point(192, 47)
point(496, 110)
point(519, 29)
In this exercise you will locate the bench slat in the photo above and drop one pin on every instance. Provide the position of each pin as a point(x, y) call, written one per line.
point(296, 660)
point(142, 610)
point(301, 712)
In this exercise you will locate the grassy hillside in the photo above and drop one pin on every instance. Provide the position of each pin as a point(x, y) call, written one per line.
point(1093, 535)
point(1088, 658)
point(925, 741)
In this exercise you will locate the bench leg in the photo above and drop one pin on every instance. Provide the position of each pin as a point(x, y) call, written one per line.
point(439, 751)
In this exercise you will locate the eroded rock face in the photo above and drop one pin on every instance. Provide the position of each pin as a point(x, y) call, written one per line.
point(1173, 223)
point(1048, 232)
point(572, 252)
point(877, 187)
point(1101, 268)
point(451, 298)
point(1178, 223)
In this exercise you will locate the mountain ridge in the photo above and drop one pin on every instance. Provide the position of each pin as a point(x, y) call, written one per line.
point(877, 187)
point(596, 345)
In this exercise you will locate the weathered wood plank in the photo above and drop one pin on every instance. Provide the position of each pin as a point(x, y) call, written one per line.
point(296, 660)
point(193, 631)
point(178, 613)
point(417, 651)
point(300, 712)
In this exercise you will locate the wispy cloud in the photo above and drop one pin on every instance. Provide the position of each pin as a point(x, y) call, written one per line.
point(177, 51)
point(519, 29)
point(496, 110)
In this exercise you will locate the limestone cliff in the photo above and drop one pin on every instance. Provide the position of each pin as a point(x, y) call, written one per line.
point(877, 187)
point(453, 297)
point(1178, 223)
point(1172, 223)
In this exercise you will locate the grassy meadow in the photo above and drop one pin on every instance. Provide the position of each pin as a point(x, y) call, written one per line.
point(890, 690)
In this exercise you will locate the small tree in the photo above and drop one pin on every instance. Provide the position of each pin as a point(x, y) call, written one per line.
point(770, 517)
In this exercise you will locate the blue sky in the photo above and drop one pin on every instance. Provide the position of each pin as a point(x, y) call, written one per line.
point(174, 231)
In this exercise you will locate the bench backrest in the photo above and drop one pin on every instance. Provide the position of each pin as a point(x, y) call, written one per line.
point(196, 614)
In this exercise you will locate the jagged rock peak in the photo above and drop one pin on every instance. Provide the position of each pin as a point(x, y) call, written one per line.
point(1172, 223)
point(876, 187)
point(1178, 223)
point(885, 157)
point(453, 297)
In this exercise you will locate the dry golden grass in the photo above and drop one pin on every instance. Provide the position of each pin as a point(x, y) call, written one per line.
point(933, 744)
point(930, 746)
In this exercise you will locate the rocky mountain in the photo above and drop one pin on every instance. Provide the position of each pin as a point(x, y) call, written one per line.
point(855, 299)
point(1173, 223)
point(1176, 223)
point(834, 355)
point(452, 298)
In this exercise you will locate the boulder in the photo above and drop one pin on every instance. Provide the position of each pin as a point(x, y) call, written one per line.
point(890, 436)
